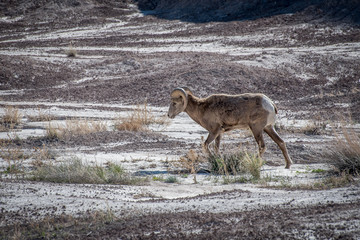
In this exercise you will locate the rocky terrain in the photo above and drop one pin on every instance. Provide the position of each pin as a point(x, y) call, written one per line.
point(305, 56)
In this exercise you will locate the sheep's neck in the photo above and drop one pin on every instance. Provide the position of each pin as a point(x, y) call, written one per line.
point(192, 108)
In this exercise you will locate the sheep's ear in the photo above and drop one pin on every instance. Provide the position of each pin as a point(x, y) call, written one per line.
point(180, 92)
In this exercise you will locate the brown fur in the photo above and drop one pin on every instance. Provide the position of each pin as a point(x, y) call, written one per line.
point(220, 113)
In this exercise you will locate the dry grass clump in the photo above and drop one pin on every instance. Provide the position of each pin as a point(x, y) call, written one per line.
point(138, 119)
point(41, 155)
point(191, 162)
point(12, 153)
point(74, 128)
point(134, 122)
point(339, 181)
point(41, 116)
point(252, 164)
point(53, 131)
point(233, 163)
point(82, 127)
point(11, 118)
point(14, 156)
point(315, 128)
point(75, 171)
point(325, 183)
point(344, 156)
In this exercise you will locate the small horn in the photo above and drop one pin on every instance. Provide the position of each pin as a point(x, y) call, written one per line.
point(180, 92)
point(187, 90)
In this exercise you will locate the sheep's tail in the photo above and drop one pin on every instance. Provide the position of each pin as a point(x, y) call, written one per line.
point(276, 109)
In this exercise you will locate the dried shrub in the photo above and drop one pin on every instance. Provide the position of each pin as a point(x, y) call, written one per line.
point(191, 162)
point(11, 118)
point(344, 156)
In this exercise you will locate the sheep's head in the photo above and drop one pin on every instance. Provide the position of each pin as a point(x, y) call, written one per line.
point(179, 100)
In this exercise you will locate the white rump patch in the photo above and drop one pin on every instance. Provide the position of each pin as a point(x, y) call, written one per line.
point(268, 105)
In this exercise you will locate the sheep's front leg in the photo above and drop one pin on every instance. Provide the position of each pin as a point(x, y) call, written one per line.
point(217, 143)
point(210, 138)
point(258, 135)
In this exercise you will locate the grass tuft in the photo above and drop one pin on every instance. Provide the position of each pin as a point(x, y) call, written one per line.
point(326, 183)
point(234, 163)
point(74, 128)
point(40, 155)
point(53, 132)
point(13, 155)
point(41, 116)
point(74, 171)
point(138, 119)
point(11, 118)
point(171, 179)
point(344, 156)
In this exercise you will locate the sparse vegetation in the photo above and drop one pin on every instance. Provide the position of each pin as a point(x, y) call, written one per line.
point(41, 116)
point(191, 162)
point(328, 182)
point(11, 118)
point(13, 155)
point(233, 163)
point(53, 132)
point(74, 127)
point(41, 155)
point(71, 52)
point(138, 119)
point(60, 227)
point(158, 178)
point(316, 128)
point(171, 179)
point(344, 156)
point(319, 170)
point(75, 171)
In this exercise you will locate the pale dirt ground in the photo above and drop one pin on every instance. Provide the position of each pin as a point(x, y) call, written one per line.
point(308, 65)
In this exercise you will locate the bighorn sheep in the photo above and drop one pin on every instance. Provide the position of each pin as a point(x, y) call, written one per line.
point(220, 113)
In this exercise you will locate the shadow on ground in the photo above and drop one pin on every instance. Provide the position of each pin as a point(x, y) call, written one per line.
point(218, 10)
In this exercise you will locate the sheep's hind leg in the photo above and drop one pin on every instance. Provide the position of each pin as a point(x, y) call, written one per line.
point(275, 136)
